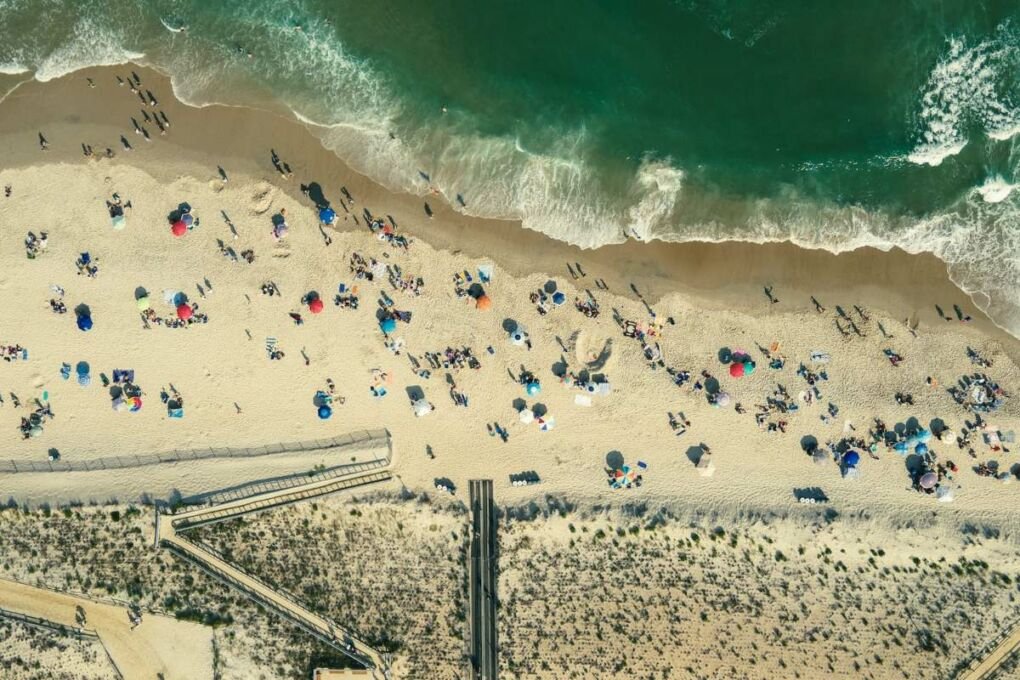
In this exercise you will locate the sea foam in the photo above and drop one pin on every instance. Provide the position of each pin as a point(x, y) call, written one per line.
point(970, 85)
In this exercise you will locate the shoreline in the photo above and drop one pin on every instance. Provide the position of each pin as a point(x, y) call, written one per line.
point(714, 292)
point(719, 275)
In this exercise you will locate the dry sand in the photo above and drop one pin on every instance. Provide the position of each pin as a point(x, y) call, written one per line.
point(714, 293)
point(177, 649)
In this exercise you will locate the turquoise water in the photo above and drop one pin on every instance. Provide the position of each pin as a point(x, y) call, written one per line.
point(830, 124)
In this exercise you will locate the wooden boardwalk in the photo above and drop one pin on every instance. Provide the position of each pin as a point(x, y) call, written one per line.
point(482, 584)
point(170, 527)
point(986, 667)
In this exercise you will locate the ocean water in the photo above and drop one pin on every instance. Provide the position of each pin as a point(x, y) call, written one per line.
point(830, 124)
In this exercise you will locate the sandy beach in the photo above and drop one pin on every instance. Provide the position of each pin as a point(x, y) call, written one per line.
point(851, 340)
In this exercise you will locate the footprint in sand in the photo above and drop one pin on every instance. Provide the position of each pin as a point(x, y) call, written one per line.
point(262, 199)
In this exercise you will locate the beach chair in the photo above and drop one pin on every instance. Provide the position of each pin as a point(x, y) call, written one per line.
point(270, 345)
point(65, 371)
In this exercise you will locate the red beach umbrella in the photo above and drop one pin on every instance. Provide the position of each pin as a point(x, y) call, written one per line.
point(184, 311)
point(737, 369)
point(178, 228)
point(315, 306)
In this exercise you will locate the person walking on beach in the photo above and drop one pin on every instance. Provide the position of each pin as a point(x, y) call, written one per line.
point(44, 145)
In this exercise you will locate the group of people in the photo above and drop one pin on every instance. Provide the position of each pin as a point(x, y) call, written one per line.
point(35, 245)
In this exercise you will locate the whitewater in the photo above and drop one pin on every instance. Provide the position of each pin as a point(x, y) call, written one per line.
point(562, 185)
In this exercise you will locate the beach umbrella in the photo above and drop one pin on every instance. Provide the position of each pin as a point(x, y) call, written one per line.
point(533, 388)
point(901, 448)
point(84, 323)
point(325, 412)
point(327, 215)
point(921, 449)
point(119, 404)
point(546, 424)
point(483, 302)
point(923, 436)
point(517, 338)
point(388, 325)
point(725, 355)
point(178, 228)
point(820, 457)
point(749, 367)
point(851, 458)
point(723, 399)
point(928, 480)
point(35, 431)
point(143, 303)
point(737, 369)
point(527, 416)
point(947, 435)
point(184, 311)
point(187, 219)
point(118, 222)
point(315, 305)
point(559, 298)
point(135, 404)
point(943, 494)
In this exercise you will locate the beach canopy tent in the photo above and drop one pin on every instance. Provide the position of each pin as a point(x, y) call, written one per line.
point(483, 302)
point(315, 305)
point(178, 228)
point(327, 215)
point(421, 407)
point(388, 325)
point(84, 323)
point(928, 480)
point(705, 466)
point(184, 311)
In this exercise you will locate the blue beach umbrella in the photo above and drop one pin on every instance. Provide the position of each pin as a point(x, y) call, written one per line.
point(900, 447)
point(923, 436)
point(559, 298)
point(851, 458)
point(84, 323)
point(325, 412)
point(388, 325)
point(533, 388)
point(327, 215)
point(921, 449)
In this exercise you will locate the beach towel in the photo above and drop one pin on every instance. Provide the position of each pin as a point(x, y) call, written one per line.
point(175, 412)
